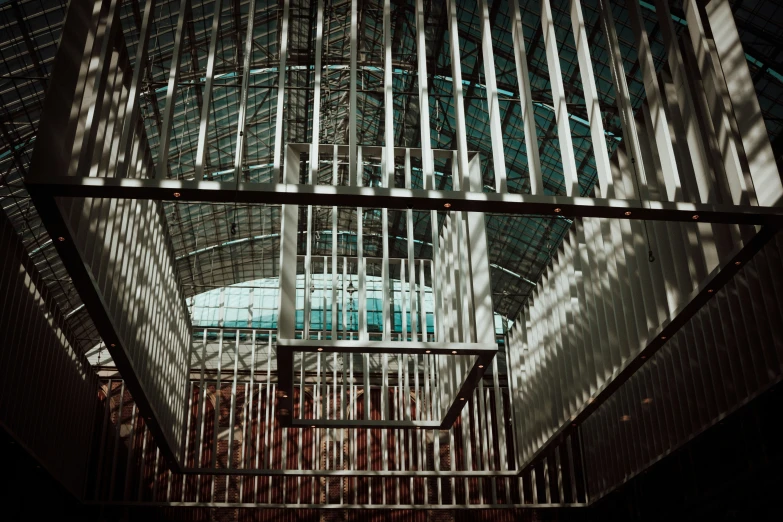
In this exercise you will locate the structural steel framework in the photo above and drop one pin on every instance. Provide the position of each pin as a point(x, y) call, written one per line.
point(687, 193)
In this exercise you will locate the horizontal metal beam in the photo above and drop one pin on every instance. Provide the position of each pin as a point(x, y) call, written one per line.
point(412, 347)
point(255, 506)
point(345, 473)
point(361, 423)
point(399, 198)
point(373, 151)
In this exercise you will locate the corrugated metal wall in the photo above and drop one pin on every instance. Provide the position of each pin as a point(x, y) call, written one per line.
point(48, 391)
point(132, 270)
point(728, 353)
point(117, 252)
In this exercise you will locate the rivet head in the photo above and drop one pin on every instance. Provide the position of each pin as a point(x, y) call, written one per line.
point(462, 398)
point(558, 210)
point(627, 212)
point(177, 194)
point(663, 338)
point(112, 345)
point(481, 365)
point(447, 205)
point(695, 216)
point(61, 238)
point(320, 349)
point(454, 351)
point(710, 291)
point(738, 263)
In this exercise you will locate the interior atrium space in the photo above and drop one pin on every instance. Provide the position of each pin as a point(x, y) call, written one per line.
point(431, 260)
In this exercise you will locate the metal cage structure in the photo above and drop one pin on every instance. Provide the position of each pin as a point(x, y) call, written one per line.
point(304, 141)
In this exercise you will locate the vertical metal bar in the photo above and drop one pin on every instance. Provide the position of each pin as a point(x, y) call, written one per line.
point(171, 89)
point(308, 282)
point(488, 452)
point(481, 452)
point(411, 272)
point(501, 423)
point(116, 442)
point(526, 103)
point(421, 299)
point(344, 292)
point(241, 116)
point(271, 423)
point(142, 465)
point(409, 443)
point(454, 288)
point(216, 427)
point(232, 413)
point(354, 401)
point(257, 448)
point(169, 480)
point(318, 395)
point(156, 477)
point(319, 42)
point(663, 139)
point(288, 241)
point(323, 297)
point(187, 433)
point(335, 313)
point(279, 124)
point(361, 267)
point(465, 305)
point(559, 101)
point(315, 483)
point(403, 303)
point(353, 171)
point(207, 97)
point(132, 104)
point(343, 407)
point(457, 87)
point(284, 459)
point(388, 98)
point(268, 403)
point(248, 410)
point(591, 100)
point(201, 418)
point(495, 125)
point(400, 446)
point(479, 264)
point(427, 163)
point(434, 275)
point(387, 296)
point(101, 451)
